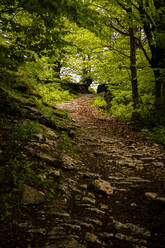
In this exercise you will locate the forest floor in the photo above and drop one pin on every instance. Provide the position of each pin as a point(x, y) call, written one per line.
point(114, 191)
point(134, 214)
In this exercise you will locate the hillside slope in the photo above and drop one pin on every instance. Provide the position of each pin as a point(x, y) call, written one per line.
point(86, 183)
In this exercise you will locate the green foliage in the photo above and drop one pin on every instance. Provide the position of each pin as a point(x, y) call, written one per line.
point(65, 144)
point(21, 171)
point(147, 107)
point(37, 70)
point(122, 106)
point(99, 102)
point(43, 178)
point(158, 134)
point(5, 207)
point(52, 93)
point(23, 130)
point(123, 112)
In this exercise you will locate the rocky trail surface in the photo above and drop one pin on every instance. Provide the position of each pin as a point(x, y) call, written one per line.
point(113, 194)
point(118, 195)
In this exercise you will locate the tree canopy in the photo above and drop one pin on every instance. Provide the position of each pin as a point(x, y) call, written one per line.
point(118, 43)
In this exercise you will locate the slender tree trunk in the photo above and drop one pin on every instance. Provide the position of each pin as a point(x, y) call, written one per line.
point(86, 77)
point(134, 81)
point(155, 33)
point(159, 89)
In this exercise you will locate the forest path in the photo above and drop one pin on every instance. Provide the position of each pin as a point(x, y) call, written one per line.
point(118, 197)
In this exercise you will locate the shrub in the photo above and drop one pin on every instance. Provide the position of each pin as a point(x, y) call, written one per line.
point(158, 134)
point(122, 105)
point(99, 102)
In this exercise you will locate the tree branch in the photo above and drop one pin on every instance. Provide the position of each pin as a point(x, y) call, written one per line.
point(118, 30)
point(111, 47)
point(139, 42)
point(123, 6)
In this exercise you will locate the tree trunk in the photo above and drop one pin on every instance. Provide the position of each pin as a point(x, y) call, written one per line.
point(135, 95)
point(86, 77)
point(155, 33)
point(159, 89)
point(134, 82)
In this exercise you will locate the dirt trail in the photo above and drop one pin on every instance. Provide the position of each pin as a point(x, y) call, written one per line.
point(119, 197)
point(111, 196)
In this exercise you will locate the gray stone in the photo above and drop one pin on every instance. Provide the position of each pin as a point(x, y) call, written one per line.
point(122, 236)
point(63, 187)
point(126, 163)
point(48, 158)
point(38, 136)
point(57, 231)
point(99, 153)
point(87, 225)
point(83, 186)
point(106, 235)
point(138, 155)
point(69, 163)
point(90, 138)
point(84, 205)
point(67, 243)
point(95, 210)
point(107, 141)
point(95, 144)
point(32, 195)
point(91, 195)
point(116, 178)
point(158, 164)
point(94, 221)
point(50, 132)
point(137, 180)
point(24, 225)
point(89, 175)
point(161, 199)
point(121, 190)
point(51, 142)
point(78, 197)
point(132, 229)
point(103, 186)
point(73, 227)
point(88, 200)
point(92, 238)
point(59, 214)
point(75, 189)
point(33, 146)
point(155, 197)
point(151, 195)
point(38, 230)
point(104, 207)
point(133, 204)
point(147, 159)
point(54, 172)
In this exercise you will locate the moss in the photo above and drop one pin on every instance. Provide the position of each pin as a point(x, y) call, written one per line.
point(24, 131)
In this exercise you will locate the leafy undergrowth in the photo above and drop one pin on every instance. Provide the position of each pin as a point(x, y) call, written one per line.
point(30, 125)
point(123, 114)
